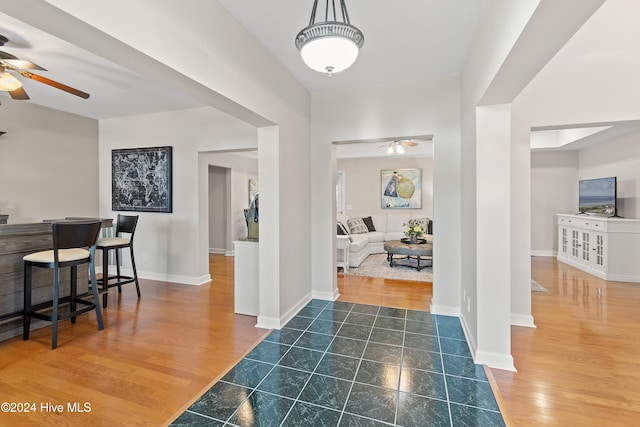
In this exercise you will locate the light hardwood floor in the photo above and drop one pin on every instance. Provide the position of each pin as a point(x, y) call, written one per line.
point(155, 356)
point(580, 367)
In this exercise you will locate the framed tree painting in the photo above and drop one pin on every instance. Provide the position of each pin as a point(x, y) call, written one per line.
point(401, 188)
point(141, 179)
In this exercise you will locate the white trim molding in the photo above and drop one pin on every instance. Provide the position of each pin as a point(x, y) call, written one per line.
point(445, 310)
point(495, 360)
point(523, 320)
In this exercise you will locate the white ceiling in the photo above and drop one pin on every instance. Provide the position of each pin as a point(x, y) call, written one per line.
point(114, 90)
point(404, 39)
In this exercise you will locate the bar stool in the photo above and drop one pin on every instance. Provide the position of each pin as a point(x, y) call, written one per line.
point(126, 224)
point(74, 244)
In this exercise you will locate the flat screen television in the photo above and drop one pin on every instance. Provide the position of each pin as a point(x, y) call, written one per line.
point(598, 196)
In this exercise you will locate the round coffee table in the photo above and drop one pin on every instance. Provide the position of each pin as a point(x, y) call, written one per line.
point(408, 251)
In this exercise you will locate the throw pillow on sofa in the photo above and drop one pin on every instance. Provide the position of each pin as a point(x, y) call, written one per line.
point(341, 229)
point(369, 223)
point(357, 226)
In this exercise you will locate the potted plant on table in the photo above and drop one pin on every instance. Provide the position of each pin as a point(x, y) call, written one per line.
point(413, 230)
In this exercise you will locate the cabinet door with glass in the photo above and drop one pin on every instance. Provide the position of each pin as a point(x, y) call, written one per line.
point(575, 244)
point(598, 250)
point(585, 245)
point(563, 242)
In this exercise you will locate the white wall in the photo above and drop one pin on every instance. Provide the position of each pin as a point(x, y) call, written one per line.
point(48, 163)
point(619, 158)
point(512, 43)
point(169, 246)
point(554, 190)
point(238, 169)
point(210, 56)
point(554, 184)
point(605, 58)
point(416, 107)
point(362, 178)
point(218, 193)
point(501, 25)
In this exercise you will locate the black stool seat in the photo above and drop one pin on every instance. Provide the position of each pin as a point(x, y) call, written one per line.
point(126, 224)
point(73, 245)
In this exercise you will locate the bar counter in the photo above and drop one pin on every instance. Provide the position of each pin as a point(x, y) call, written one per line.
point(16, 241)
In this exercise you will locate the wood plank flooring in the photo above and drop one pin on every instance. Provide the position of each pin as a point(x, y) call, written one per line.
point(581, 366)
point(385, 292)
point(157, 355)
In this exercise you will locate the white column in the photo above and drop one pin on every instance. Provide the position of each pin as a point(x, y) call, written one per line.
point(269, 253)
point(520, 224)
point(493, 213)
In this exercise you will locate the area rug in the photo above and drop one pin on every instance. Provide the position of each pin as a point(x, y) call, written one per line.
point(377, 266)
point(537, 287)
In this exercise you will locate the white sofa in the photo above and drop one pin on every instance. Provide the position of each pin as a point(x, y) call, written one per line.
point(388, 227)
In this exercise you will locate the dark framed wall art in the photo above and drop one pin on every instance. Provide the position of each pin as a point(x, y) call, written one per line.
point(141, 179)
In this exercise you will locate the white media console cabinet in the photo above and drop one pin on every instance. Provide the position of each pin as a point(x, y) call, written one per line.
point(608, 248)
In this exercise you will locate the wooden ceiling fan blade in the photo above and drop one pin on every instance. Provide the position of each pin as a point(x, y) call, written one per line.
point(7, 55)
point(55, 84)
point(19, 93)
point(410, 143)
point(21, 64)
point(14, 62)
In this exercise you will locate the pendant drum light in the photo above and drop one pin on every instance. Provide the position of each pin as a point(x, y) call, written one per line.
point(332, 45)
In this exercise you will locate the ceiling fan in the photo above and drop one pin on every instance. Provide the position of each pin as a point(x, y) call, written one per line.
point(11, 66)
point(398, 146)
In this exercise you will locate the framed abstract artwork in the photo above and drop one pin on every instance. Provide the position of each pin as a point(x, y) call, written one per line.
point(401, 188)
point(141, 179)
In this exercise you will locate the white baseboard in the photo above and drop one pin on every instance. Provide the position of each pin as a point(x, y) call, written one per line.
point(326, 296)
point(522, 320)
point(495, 360)
point(220, 251)
point(184, 280)
point(284, 319)
point(544, 253)
point(277, 323)
point(268, 322)
point(230, 253)
point(471, 343)
point(445, 310)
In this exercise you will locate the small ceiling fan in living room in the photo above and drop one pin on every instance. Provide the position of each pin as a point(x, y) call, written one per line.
point(12, 67)
point(398, 146)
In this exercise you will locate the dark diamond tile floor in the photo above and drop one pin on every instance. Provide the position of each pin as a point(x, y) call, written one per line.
point(345, 364)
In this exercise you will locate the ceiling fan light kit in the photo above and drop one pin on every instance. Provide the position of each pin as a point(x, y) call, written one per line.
point(332, 45)
point(8, 82)
point(395, 147)
point(10, 65)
